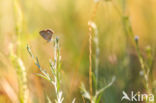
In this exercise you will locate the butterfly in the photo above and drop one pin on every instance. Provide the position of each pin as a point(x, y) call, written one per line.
point(46, 34)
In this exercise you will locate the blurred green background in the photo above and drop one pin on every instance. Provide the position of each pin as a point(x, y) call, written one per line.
point(69, 20)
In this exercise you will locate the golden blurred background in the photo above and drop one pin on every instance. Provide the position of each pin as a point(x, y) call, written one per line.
point(21, 21)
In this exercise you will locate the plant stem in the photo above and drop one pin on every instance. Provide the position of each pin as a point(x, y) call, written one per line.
point(16, 57)
point(90, 61)
point(90, 50)
point(128, 31)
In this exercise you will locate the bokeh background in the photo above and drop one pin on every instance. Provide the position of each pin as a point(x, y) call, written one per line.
point(69, 20)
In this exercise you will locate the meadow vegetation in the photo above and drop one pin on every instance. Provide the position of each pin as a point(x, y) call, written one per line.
point(100, 50)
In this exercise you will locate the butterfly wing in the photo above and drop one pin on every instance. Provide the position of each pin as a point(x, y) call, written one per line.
point(46, 34)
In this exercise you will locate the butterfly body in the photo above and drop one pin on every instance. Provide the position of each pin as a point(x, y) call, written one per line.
point(46, 34)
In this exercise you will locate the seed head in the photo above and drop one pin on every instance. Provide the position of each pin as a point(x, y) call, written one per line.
point(136, 39)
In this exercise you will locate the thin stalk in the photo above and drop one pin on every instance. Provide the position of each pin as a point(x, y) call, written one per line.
point(90, 50)
point(55, 70)
point(16, 57)
point(97, 51)
point(57, 59)
point(90, 62)
point(19, 25)
point(144, 67)
point(128, 31)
